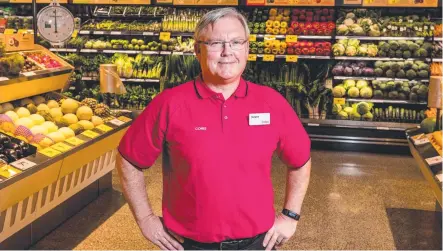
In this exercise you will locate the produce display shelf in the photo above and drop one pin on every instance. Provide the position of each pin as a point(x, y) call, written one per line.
point(374, 125)
point(382, 38)
point(133, 33)
point(298, 56)
point(27, 76)
point(379, 58)
point(137, 52)
point(63, 50)
point(376, 78)
point(126, 80)
point(386, 101)
point(298, 37)
point(438, 60)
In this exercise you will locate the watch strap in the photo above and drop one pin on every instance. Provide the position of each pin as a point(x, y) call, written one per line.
point(291, 214)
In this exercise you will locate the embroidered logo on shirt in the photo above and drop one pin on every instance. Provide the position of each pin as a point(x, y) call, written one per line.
point(200, 128)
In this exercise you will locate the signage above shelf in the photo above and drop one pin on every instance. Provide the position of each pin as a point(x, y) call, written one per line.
point(400, 3)
point(206, 2)
point(290, 3)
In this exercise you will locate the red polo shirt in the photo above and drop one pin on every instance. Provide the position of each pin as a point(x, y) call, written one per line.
point(216, 166)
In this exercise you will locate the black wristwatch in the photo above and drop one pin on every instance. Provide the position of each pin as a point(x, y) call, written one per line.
point(291, 214)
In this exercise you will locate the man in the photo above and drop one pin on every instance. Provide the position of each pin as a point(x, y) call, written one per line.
point(217, 134)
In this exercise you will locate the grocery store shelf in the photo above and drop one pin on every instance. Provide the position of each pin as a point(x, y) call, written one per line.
point(371, 125)
point(133, 33)
point(63, 50)
point(437, 60)
point(298, 56)
point(380, 38)
point(380, 58)
point(298, 37)
point(137, 52)
point(27, 76)
point(386, 101)
point(376, 78)
point(126, 80)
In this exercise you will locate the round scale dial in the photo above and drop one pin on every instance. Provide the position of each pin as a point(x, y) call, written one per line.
point(55, 23)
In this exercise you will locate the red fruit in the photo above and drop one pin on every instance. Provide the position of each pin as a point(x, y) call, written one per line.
point(326, 52)
point(305, 32)
point(319, 51)
point(294, 24)
point(327, 44)
point(298, 51)
point(316, 25)
point(296, 12)
point(305, 51)
point(312, 50)
point(294, 18)
point(316, 18)
point(302, 17)
point(325, 12)
point(290, 44)
point(301, 25)
point(290, 31)
point(331, 12)
point(309, 19)
point(328, 32)
point(331, 25)
point(297, 31)
point(302, 44)
point(303, 12)
point(290, 50)
point(312, 32)
point(309, 44)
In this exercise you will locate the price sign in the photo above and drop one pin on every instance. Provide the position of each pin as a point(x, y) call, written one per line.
point(252, 57)
point(124, 119)
point(90, 134)
point(422, 141)
point(29, 73)
point(270, 37)
point(116, 122)
point(339, 101)
point(23, 164)
point(21, 31)
point(74, 141)
point(291, 38)
point(165, 36)
point(99, 32)
point(50, 152)
point(9, 31)
point(434, 160)
point(62, 147)
point(147, 33)
point(252, 38)
point(104, 128)
point(268, 58)
point(291, 58)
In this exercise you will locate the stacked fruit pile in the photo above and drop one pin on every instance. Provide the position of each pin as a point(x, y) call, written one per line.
point(43, 122)
point(349, 68)
point(30, 66)
point(405, 49)
point(353, 89)
point(352, 47)
point(43, 59)
point(109, 25)
point(402, 90)
point(321, 48)
point(398, 69)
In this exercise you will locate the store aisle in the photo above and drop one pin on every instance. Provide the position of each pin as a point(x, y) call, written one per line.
point(355, 201)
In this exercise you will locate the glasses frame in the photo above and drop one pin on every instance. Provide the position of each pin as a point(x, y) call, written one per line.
point(208, 43)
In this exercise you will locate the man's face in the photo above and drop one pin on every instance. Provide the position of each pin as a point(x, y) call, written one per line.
point(226, 63)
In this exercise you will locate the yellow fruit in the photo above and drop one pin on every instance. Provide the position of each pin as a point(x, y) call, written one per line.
point(32, 108)
point(39, 129)
point(276, 24)
point(42, 107)
point(272, 18)
point(70, 118)
point(7, 127)
point(37, 146)
point(53, 104)
point(56, 136)
point(283, 45)
point(275, 51)
point(12, 115)
point(273, 12)
point(56, 112)
point(268, 43)
point(283, 24)
point(268, 23)
point(283, 31)
point(275, 31)
point(281, 51)
point(279, 18)
point(50, 126)
point(84, 113)
point(37, 119)
point(67, 132)
point(46, 142)
point(26, 122)
point(96, 121)
point(88, 125)
point(22, 112)
point(69, 106)
point(286, 12)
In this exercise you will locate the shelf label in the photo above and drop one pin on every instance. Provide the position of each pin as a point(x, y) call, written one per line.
point(21, 31)
point(84, 32)
point(147, 33)
point(339, 101)
point(74, 141)
point(116, 32)
point(270, 37)
point(9, 31)
point(124, 119)
point(291, 38)
point(116, 122)
point(29, 73)
point(434, 160)
point(400, 3)
point(165, 36)
point(23, 164)
point(50, 152)
point(291, 58)
point(104, 128)
point(252, 38)
point(252, 57)
point(312, 124)
point(328, 83)
point(62, 147)
point(99, 32)
point(268, 57)
point(422, 141)
point(382, 128)
point(90, 134)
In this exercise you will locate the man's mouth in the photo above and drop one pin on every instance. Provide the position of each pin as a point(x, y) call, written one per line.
point(226, 62)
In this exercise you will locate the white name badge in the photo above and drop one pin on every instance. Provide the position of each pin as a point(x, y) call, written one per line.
point(259, 119)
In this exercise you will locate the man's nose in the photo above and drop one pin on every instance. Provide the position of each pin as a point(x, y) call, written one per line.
point(227, 50)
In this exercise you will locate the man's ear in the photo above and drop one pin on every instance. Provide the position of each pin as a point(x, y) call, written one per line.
point(196, 48)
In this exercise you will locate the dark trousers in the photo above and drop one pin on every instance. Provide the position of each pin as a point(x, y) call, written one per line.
point(254, 243)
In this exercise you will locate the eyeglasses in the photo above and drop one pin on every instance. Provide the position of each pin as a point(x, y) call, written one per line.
point(218, 45)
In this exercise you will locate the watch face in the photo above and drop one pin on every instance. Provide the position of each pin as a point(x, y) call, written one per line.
point(55, 24)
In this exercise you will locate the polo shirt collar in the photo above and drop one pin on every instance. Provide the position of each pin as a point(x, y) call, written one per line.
point(204, 92)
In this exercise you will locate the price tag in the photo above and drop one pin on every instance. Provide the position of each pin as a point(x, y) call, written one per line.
point(425, 27)
point(85, 32)
point(75, 33)
point(23, 164)
point(252, 57)
point(165, 36)
point(74, 141)
point(165, 53)
point(99, 32)
point(432, 28)
point(21, 31)
point(434, 160)
point(50, 152)
point(177, 53)
point(62, 147)
point(268, 58)
point(146, 33)
point(252, 38)
point(291, 58)
point(29, 73)
point(270, 37)
point(116, 122)
point(422, 141)
point(328, 83)
point(9, 31)
point(291, 38)
point(339, 101)
point(124, 119)
point(382, 128)
point(104, 128)
point(116, 32)
point(312, 124)
point(90, 134)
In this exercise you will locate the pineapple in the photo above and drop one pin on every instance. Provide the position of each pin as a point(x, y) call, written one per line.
point(102, 110)
point(92, 103)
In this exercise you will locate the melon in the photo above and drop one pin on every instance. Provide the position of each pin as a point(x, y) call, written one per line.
point(7, 107)
point(42, 107)
point(38, 100)
point(71, 118)
point(50, 126)
point(67, 132)
point(53, 104)
point(26, 101)
point(26, 122)
point(39, 129)
point(22, 112)
point(428, 125)
point(56, 136)
point(88, 125)
point(37, 119)
point(96, 121)
point(69, 106)
point(12, 115)
point(46, 142)
point(56, 112)
point(84, 113)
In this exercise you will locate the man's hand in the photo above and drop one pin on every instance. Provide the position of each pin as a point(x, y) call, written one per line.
point(283, 229)
point(153, 229)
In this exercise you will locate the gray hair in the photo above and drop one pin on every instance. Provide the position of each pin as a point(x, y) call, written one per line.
point(214, 15)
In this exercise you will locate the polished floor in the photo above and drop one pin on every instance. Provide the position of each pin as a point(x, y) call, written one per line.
point(354, 201)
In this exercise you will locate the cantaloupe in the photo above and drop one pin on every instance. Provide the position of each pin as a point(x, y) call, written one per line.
point(71, 118)
point(56, 136)
point(67, 132)
point(56, 112)
point(46, 142)
point(69, 106)
point(37, 119)
point(42, 107)
point(84, 113)
point(50, 126)
point(88, 125)
point(12, 115)
point(52, 104)
point(26, 122)
point(96, 121)
point(39, 129)
point(22, 112)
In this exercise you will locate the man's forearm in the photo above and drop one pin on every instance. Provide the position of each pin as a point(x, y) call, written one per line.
point(134, 189)
point(296, 186)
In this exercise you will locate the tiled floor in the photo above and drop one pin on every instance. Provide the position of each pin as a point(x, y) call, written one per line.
point(354, 201)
